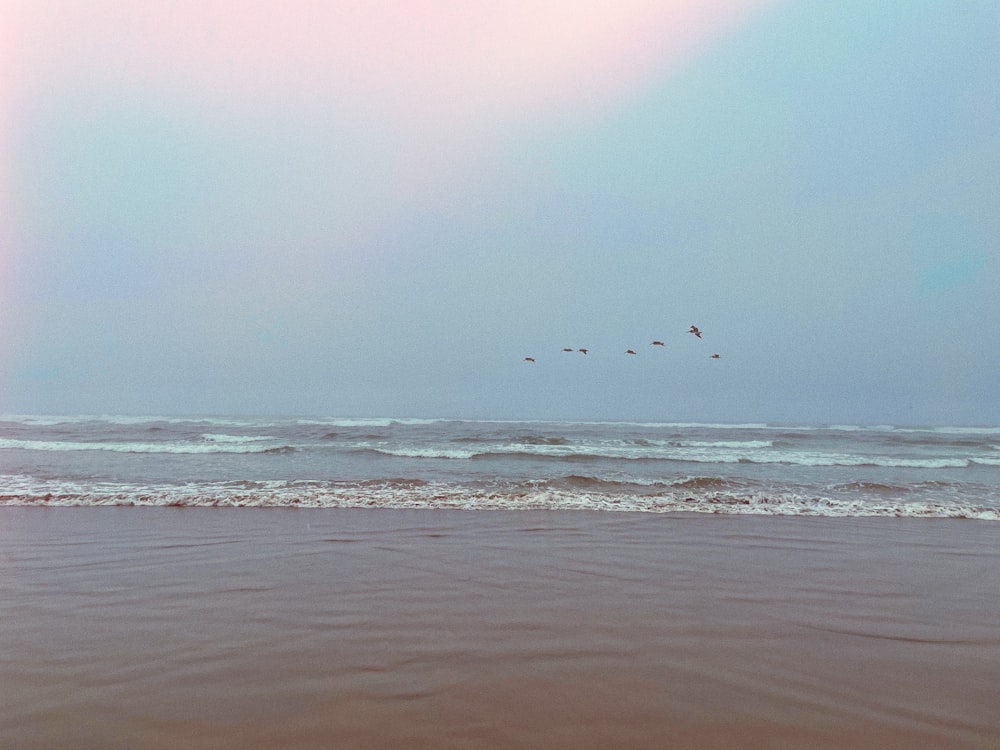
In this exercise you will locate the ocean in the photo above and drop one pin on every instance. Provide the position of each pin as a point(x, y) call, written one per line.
point(769, 469)
point(436, 584)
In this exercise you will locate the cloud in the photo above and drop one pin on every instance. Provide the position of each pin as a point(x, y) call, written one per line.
point(382, 102)
point(426, 62)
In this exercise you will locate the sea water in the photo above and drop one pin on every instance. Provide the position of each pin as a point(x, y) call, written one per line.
point(774, 469)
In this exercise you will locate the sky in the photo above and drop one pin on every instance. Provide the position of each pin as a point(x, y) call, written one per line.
point(380, 209)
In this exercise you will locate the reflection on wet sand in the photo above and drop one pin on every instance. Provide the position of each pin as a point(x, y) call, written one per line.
point(214, 628)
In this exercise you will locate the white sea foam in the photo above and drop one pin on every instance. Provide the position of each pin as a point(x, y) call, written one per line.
point(860, 428)
point(705, 452)
point(51, 420)
point(223, 438)
point(720, 443)
point(172, 447)
point(22, 490)
point(693, 451)
point(454, 453)
point(368, 421)
point(802, 458)
point(34, 420)
point(967, 430)
point(684, 425)
point(950, 430)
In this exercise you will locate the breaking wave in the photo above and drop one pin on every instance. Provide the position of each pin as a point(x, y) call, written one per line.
point(696, 495)
point(727, 452)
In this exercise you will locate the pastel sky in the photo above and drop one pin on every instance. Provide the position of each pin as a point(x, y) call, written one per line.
point(381, 208)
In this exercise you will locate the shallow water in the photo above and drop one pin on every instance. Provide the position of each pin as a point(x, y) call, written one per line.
point(218, 628)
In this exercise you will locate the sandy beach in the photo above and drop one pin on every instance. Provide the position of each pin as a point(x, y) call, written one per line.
point(243, 628)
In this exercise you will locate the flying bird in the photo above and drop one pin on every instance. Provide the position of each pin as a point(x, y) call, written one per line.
point(529, 359)
point(582, 350)
point(629, 351)
point(695, 331)
point(715, 356)
point(567, 349)
point(657, 343)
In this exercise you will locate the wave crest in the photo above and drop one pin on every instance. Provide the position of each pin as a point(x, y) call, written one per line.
point(426, 495)
point(180, 447)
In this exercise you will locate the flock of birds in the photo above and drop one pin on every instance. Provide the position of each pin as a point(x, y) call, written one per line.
point(692, 330)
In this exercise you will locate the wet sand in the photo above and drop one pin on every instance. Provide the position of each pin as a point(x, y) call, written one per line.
point(242, 628)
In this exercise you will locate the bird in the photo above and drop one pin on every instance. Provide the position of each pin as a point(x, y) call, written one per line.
point(715, 356)
point(567, 349)
point(695, 331)
point(657, 343)
point(529, 359)
point(629, 351)
point(582, 350)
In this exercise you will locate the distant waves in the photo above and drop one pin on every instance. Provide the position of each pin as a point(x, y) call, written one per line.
point(210, 444)
point(556, 448)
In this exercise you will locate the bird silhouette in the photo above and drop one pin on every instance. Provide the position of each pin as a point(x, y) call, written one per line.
point(529, 359)
point(715, 356)
point(657, 343)
point(629, 351)
point(695, 331)
point(582, 350)
point(567, 349)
